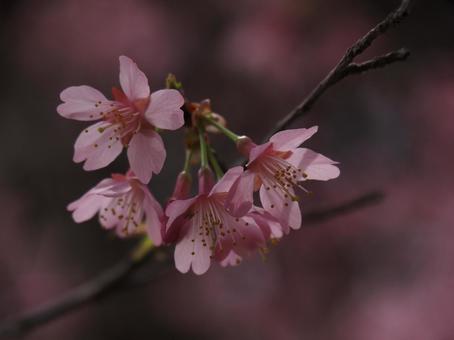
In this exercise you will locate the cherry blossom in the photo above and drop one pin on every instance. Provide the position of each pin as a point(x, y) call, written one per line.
point(276, 168)
point(129, 120)
point(124, 204)
point(206, 230)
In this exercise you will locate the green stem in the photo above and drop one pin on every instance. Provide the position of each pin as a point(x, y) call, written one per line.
point(187, 161)
point(215, 164)
point(203, 146)
point(230, 134)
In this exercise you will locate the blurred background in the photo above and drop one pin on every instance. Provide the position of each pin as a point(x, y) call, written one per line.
point(384, 272)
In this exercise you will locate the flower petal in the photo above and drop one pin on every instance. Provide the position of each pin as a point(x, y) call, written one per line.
point(153, 219)
point(183, 257)
point(269, 225)
point(190, 251)
point(89, 204)
point(98, 145)
point(101, 153)
point(291, 139)
point(83, 103)
point(133, 81)
point(164, 110)
point(178, 208)
point(286, 211)
point(146, 154)
point(240, 198)
point(244, 239)
point(314, 165)
point(257, 151)
point(226, 182)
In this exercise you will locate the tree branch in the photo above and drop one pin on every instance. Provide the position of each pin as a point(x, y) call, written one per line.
point(103, 285)
point(345, 67)
point(370, 198)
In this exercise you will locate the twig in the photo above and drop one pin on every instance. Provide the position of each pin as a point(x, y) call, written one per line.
point(346, 67)
point(371, 198)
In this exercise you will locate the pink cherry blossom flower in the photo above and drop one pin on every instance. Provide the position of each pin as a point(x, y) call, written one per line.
point(127, 121)
point(206, 230)
point(270, 227)
point(123, 203)
point(276, 168)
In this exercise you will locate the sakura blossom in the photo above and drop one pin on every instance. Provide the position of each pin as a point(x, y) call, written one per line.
point(270, 227)
point(123, 204)
point(128, 121)
point(206, 229)
point(275, 168)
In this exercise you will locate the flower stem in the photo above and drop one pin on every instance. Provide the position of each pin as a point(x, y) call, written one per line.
point(215, 164)
point(230, 134)
point(203, 146)
point(187, 160)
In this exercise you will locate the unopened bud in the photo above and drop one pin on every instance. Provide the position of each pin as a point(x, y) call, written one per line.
point(206, 180)
point(182, 186)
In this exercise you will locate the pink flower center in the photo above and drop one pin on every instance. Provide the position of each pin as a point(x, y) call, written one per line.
point(125, 117)
point(126, 210)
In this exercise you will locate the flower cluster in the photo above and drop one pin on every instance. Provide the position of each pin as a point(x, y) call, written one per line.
point(221, 223)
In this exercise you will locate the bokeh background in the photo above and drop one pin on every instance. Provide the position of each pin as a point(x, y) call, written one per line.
point(384, 272)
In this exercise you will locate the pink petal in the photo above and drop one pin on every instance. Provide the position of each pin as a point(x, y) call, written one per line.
point(291, 139)
point(201, 260)
point(183, 257)
point(178, 208)
point(146, 154)
point(164, 110)
point(88, 205)
point(115, 189)
point(104, 154)
point(250, 238)
point(269, 225)
point(133, 81)
point(224, 184)
point(83, 103)
point(274, 203)
point(240, 198)
point(98, 145)
point(153, 220)
point(257, 151)
point(189, 253)
point(247, 239)
point(314, 165)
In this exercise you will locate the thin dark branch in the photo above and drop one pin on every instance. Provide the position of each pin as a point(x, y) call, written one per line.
point(378, 62)
point(101, 286)
point(371, 198)
point(345, 67)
